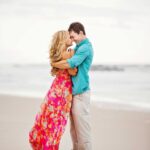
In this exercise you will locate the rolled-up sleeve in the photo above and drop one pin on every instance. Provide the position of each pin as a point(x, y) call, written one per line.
point(79, 57)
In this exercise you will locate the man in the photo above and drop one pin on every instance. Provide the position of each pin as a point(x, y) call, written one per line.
point(80, 111)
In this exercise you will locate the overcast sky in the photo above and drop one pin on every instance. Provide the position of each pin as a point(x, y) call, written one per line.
point(118, 29)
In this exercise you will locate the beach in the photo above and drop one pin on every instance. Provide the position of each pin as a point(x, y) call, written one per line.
point(119, 77)
point(114, 126)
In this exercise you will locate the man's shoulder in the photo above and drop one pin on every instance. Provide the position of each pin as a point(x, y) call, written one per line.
point(85, 47)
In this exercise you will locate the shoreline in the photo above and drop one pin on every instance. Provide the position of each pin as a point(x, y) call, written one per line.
point(102, 102)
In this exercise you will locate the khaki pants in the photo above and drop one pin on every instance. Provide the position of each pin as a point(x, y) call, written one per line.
point(80, 127)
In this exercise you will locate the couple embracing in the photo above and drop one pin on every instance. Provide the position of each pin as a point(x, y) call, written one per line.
point(69, 94)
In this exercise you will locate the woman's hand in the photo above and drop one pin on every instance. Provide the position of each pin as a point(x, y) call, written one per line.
point(67, 54)
point(73, 72)
point(71, 52)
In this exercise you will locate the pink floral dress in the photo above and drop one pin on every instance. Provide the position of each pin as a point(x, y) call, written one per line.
point(50, 122)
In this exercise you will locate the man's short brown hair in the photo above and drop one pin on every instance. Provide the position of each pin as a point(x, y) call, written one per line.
point(76, 27)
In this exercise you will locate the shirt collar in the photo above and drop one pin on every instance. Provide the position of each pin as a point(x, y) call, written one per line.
point(82, 42)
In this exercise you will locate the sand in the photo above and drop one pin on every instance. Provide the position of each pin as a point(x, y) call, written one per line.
point(114, 126)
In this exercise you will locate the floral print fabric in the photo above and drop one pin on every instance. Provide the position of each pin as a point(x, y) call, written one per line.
point(50, 122)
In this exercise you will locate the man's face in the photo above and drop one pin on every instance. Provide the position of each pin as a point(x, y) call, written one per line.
point(75, 36)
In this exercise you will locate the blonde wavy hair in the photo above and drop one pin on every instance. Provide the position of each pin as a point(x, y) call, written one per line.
point(58, 45)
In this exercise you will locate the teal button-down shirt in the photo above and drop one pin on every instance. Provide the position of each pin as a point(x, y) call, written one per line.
point(82, 59)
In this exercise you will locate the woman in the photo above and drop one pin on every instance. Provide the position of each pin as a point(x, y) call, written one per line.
point(50, 122)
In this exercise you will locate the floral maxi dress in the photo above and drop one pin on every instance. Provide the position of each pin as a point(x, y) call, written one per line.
point(50, 122)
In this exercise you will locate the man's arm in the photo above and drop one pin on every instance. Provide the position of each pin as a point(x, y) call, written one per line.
point(74, 61)
point(81, 54)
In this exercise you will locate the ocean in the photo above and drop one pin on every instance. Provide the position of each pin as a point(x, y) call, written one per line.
point(127, 84)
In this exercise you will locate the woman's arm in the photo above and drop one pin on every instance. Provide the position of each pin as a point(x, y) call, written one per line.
point(63, 63)
point(66, 55)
